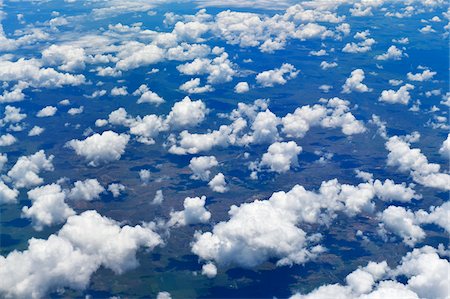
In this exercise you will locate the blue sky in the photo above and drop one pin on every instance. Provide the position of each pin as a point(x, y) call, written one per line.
point(211, 149)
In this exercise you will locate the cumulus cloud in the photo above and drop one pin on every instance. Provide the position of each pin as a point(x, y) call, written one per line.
point(277, 76)
point(47, 111)
point(209, 270)
point(193, 86)
point(410, 160)
point(248, 237)
point(354, 82)
point(218, 183)
point(392, 53)
point(67, 57)
point(116, 189)
point(445, 148)
point(7, 194)
point(194, 212)
point(425, 272)
point(281, 156)
point(88, 190)
point(100, 148)
point(241, 87)
point(147, 96)
point(200, 166)
point(25, 172)
point(159, 198)
point(424, 76)
point(7, 139)
point(36, 131)
point(187, 113)
point(48, 206)
point(401, 96)
point(84, 244)
point(219, 69)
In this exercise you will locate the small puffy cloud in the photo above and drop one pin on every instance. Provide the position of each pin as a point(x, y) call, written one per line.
point(201, 166)
point(360, 47)
point(144, 176)
point(13, 115)
point(194, 212)
point(401, 96)
point(445, 148)
point(119, 91)
point(47, 111)
point(159, 198)
point(25, 173)
point(424, 76)
point(277, 76)
point(281, 156)
point(393, 53)
point(7, 194)
point(75, 111)
point(116, 189)
point(163, 295)
point(403, 223)
point(219, 69)
point(328, 65)
point(7, 139)
point(147, 96)
point(354, 82)
point(36, 131)
point(218, 183)
point(193, 86)
point(209, 270)
point(48, 206)
point(187, 113)
point(88, 190)
point(410, 160)
point(241, 87)
point(100, 148)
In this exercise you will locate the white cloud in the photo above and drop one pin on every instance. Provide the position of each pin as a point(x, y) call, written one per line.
point(354, 82)
point(7, 139)
point(209, 270)
point(84, 244)
point(144, 176)
point(401, 96)
point(403, 223)
point(425, 272)
point(7, 194)
point(247, 239)
point(424, 76)
point(241, 87)
point(413, 161)
point(277, 76)
point(328, 65)
point(75, 111)
point(159, 198)
point(89, 189)
point(194, 212)
point(219, 69)
point(116, 189)
point(218, 183)
point(3, 160)
point(47, 111)
point(67, 57)
point(25, 173)
point(48, 206)
point(393, 53)
point(193, 86)
point(201, 166)
point(281, 156)
point(187, 113)
point(36, 131)
point(98, 149)
point(445, 148)
point(147, 96)
point(119, 91)
point(12, 115)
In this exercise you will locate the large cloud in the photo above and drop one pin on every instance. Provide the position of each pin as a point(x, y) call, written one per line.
point(69, 258)
point(25, 173)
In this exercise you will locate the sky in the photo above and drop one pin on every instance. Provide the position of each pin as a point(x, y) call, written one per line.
point(224, 149)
